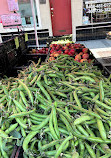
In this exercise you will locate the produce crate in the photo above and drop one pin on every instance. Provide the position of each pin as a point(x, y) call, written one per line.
point(11, 51)
point(108, 69)
point(78, 51)
point(12, 57)
point(3, 60)
point(22, 44)
point(9, 45)
point(103, 56)
point(26, 58)
point(8, 56)
point(35, 56)
point(106, 64)
point(56, 38)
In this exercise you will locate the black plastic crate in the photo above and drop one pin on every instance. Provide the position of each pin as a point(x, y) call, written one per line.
point(35, 56)
point(22, 43)
point(3, 64)
point(3, 60)
point(9, 45)
point(12, 57)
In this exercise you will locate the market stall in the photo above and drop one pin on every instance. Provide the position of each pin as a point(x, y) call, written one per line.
point(56, 108)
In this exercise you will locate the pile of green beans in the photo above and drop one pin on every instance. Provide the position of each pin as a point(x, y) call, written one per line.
point(57, 109)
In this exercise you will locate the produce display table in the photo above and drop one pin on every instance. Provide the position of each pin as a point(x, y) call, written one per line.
point(56, 108)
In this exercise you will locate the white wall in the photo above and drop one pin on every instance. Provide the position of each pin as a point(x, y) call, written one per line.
point(46, 17)
point(77, 15)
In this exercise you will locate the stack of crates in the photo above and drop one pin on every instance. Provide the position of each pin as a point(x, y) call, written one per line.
point(3, 60)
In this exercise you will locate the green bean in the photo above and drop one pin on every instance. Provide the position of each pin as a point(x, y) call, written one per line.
point(101, 91)
point(3, 99)
point(96, 97)
point(62, 145)
point(100, 149)
point(27, 90)
point(92, 94)
point(75, 155)
point(102, 104)
point(3, 134)
point(43, 123)
point(36, 118)
point(35, 122)
point(67, 111)
point(4, 154)
point(21, 123)
point(5, 90)
point(19, 105)
point(82, 130)
point(90, 131)
point(106, 127)
point(63, 113)
point(65, 121)
point(106, 156)
point(32, 144)
point(101, 129)
point(54, 116)
point(91, 122)
point(65, 146)
point(60, 94)
point(21, 114)
point(99, 103)
point(81, 73)
point(82, 148)
point(52, 130)
point(11, 128)
point(106, 100)
point(105, 148)
point(50, 93)
point(82, 119)
point(86, 111)
point(87, 78)
point(97, 153)
point(68, 85)
point(24, 99)
point(34, 80)
point(27, 139)
point(90, 150)
point(76, 143)
point(44, 147)
point(63, 131)
point(50, 153)
point(44, 91)
point(92, 139)
point(76, 99)
point(23, 132)
point(101, 111)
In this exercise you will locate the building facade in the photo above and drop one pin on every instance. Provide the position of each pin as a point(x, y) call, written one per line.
point(60, 17)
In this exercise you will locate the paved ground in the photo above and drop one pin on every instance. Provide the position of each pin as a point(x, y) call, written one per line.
point(99, 48)
point(94, 44)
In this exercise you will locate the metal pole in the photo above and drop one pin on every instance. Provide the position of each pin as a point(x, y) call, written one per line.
point(34, 19)
point(0, 38)
point(91, 12)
